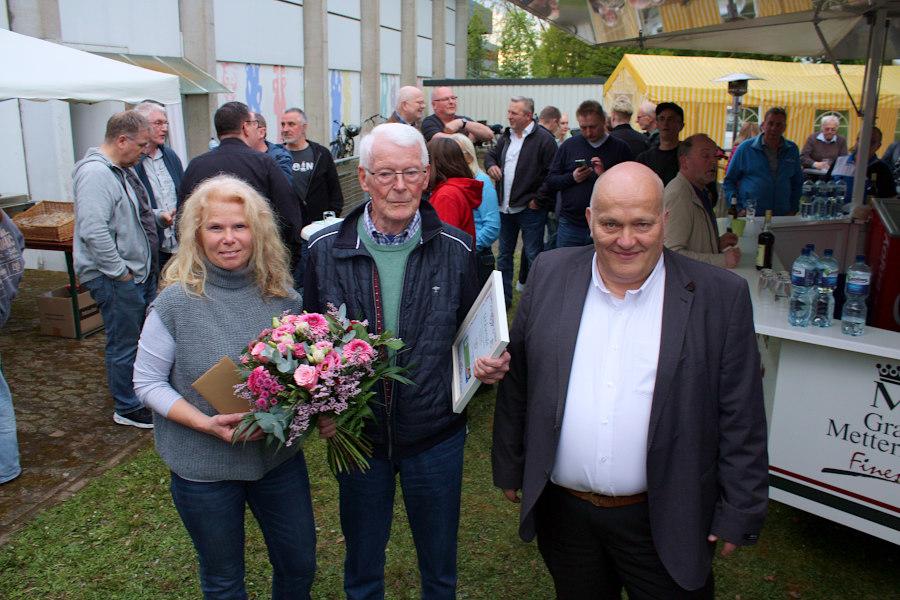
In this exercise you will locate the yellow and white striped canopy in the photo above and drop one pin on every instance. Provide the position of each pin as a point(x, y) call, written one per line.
point(802, 89)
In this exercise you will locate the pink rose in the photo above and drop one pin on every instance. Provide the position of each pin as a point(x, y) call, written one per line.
point(257, 349)
point(317, 324)
point(331, 362)
point(358, 352)
point(306, 376)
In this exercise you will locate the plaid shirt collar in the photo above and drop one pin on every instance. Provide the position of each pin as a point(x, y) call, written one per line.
point(390, 240)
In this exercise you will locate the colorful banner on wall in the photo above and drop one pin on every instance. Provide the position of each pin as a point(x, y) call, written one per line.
point(390, 89)
point(344, 99)
point(266, 89)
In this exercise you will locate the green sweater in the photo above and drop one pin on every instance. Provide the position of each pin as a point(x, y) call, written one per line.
point(391, 264)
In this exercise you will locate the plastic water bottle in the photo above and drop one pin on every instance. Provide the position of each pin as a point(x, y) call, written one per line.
point(857, 290)
point(802, 280)
point(821, 200)
point(830, 200)
point(813, 262)
point(840, 193)
point(806, 200)
point(213, 143)
point(826, 281)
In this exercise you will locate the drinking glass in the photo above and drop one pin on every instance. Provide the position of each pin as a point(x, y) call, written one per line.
point(750, 207)
point(765, 284)
point(782, 289)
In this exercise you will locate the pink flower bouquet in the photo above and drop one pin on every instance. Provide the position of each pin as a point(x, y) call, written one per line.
point(313, 364)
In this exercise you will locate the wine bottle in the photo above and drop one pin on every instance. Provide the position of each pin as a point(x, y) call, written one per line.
point(765, 244)
point(733, 209)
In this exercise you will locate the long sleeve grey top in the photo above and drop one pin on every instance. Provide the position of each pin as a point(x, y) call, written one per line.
point(155, 357)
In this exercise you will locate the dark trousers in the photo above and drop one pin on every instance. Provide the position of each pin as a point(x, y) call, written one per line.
point(570, 234)
point(123, 305)
point(486, 263)
point(431, 482)
point(213, 514)
point(531, 223)
point(592, 553)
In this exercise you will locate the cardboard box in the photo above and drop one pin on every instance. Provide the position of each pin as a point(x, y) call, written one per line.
point(55, 313)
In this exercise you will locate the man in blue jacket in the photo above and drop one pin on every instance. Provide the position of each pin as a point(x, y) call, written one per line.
point(278, 152)
point(394, 263)
point(767, 169)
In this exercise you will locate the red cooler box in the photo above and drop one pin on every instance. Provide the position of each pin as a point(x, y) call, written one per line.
point(884, 257)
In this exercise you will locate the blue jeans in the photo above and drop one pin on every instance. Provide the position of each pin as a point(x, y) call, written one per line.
point(123, 305)
point(568, 234)
point(9, 445)
point(532, 223)
point(431, 482)
point(213, 514)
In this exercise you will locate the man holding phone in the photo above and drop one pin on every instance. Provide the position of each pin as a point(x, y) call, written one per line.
point(579, 161)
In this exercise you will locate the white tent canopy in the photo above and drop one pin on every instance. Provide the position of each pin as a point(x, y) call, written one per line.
point(38, 70)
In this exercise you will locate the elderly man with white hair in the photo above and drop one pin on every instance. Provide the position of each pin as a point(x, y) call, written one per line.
point(160, 170)
point(646, 120)
point(394, 263)
point(822, 149)
point(410, 106)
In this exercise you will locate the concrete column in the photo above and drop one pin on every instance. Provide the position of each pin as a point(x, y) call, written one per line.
point(37, 18)
point(438, 40)
point(198, 39)
point(370, 29)
point(408, 51)
point(462, 38)
point(315, 70)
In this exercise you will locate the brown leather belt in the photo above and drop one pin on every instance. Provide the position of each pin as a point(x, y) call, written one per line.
point(601, 501)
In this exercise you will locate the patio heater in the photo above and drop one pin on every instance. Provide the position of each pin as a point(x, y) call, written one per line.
point(737, 87)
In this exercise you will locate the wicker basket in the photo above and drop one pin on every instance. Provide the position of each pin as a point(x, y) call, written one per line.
point(47, 221)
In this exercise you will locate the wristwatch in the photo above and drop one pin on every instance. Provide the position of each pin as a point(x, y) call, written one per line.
point(464, 120)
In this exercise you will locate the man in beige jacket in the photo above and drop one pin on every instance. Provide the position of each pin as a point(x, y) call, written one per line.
point(691, 227)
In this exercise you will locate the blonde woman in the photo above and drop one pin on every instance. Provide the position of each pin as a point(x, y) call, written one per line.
point(748, 130)
point(487, 215)
point(228, 278)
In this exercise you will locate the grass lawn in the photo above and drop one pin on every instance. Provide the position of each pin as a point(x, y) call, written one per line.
point(120, 537)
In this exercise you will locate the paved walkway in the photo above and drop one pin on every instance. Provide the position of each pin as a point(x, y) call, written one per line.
point(63, 410)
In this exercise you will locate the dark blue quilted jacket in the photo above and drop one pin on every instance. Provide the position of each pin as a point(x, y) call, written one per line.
point(440, 284)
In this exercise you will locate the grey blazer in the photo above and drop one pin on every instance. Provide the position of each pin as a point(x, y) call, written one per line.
point(706, 458)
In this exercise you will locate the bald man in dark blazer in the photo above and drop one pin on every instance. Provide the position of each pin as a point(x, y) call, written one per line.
point(631, 467)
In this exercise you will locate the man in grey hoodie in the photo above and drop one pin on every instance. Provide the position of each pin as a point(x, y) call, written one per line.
point(115, 242)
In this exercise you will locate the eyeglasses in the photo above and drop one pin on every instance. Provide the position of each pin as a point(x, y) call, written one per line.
point(386, 177)
point(159, 123)
point(252, 121)
point(454, 98)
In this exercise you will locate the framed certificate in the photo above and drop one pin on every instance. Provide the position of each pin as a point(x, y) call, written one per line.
point(484, 332)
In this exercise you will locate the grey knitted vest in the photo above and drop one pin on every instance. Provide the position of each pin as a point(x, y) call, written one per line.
point(223, 322)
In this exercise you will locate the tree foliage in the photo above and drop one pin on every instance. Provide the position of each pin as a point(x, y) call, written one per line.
point(476, 47)
point(518, 44)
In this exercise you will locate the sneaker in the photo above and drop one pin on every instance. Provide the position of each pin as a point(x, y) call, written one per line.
point(141, 418)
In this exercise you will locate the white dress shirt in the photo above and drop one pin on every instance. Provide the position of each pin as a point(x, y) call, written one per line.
point(603, 442)
point(509, 167)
